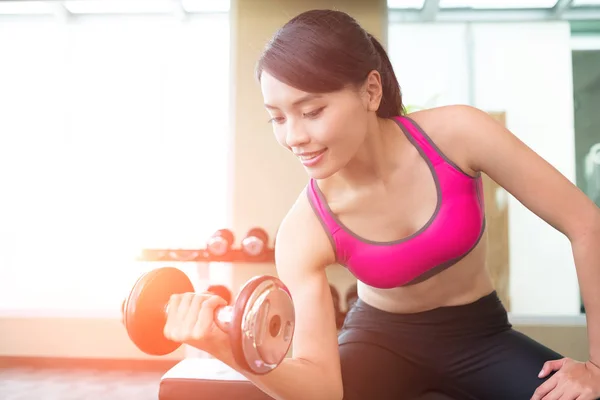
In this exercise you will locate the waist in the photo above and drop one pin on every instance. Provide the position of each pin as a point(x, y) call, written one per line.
point(485, 313)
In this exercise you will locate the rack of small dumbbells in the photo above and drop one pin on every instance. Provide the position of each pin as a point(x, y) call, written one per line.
point(219, 247)
point(254, 248)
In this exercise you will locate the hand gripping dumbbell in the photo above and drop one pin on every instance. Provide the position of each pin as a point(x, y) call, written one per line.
point(260, 323)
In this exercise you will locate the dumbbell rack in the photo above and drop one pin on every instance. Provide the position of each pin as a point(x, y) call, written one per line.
point(234, 255)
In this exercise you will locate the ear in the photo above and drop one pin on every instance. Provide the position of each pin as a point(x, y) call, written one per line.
point(373, 91)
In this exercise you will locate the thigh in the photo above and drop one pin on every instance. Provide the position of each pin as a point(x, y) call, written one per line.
point(371, 370)
point(503, 366)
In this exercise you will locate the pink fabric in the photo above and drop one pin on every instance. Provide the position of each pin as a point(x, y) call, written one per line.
point(453, 231)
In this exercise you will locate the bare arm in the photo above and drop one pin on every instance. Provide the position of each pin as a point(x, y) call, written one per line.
point(545, 191)
point(302, 253)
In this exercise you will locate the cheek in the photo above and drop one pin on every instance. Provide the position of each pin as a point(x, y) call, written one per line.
point(349, 126)
point(334, 128)
point(279, 134)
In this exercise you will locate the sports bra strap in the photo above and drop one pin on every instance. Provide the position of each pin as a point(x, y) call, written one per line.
point(319, 205)
point(420, 138)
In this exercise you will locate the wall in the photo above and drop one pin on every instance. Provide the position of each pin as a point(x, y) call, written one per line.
point(524, 70)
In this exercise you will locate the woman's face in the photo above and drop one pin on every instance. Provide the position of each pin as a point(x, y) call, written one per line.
point(324, 131)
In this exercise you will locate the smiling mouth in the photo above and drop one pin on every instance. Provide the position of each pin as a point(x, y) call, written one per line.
point(310, 156)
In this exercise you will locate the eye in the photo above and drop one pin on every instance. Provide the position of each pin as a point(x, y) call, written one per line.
point(277, 120)
point(314, 113)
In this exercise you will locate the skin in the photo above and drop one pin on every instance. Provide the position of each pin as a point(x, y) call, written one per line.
point(378, 185)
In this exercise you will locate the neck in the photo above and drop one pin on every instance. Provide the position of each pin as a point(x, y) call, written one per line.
point(377, 159)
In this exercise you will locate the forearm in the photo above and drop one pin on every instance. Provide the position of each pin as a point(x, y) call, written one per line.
point(586, 250)
point(293, 379)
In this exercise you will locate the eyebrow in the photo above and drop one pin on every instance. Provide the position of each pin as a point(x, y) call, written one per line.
point(303, 99)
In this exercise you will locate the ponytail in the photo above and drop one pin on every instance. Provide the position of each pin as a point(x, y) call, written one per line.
point(391, 100)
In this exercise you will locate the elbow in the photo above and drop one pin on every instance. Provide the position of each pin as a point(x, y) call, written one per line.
point(328, 380)
point(585, 229)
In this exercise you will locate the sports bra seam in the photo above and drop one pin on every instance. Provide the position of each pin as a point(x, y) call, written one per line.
point(454, 260)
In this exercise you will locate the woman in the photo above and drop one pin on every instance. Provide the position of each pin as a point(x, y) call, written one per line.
point(397, 199)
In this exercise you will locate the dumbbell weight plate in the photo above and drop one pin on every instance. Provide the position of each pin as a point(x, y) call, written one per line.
point(144, 310)
point(221, 291)
point(263, 324)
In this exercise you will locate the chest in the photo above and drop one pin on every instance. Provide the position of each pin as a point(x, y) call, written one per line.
point(392, 211)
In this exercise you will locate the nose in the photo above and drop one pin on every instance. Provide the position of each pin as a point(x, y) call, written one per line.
point(296, 136)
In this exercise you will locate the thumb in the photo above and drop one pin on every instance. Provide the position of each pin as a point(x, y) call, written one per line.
point(549, 366)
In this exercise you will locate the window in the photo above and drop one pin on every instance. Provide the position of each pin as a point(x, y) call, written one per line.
point(497, 4)
point(114, 137)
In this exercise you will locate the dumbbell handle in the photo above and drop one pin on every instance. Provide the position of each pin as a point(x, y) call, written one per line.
point(223, 316)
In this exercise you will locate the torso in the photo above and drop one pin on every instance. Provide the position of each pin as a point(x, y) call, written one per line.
point(401, 208)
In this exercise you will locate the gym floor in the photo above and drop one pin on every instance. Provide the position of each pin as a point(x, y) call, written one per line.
point(28, 383)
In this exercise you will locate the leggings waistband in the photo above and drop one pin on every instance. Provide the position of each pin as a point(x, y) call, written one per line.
point(487, 311)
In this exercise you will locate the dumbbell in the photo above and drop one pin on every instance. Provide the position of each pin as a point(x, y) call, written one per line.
point(221, 291)
point(220, 242)
point(256, 242)
point(260, 323)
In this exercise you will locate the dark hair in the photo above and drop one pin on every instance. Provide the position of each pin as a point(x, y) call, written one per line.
point(322, 51)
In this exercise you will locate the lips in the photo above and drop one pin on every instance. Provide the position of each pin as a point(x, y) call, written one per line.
point(307, 156)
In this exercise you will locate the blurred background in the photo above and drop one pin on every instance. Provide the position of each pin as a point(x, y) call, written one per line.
point(127, 125)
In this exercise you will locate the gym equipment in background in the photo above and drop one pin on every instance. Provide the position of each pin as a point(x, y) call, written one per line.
point(219, 247)
point(255, 243)
point(220, 243)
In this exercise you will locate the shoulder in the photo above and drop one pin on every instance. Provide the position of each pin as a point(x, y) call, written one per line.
point(456, 130)
point(302, 236)
point(456, 115)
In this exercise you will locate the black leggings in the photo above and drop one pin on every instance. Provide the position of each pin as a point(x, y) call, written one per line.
point(468, 352)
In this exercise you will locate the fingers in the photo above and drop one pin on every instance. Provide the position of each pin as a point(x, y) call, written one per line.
point(206, 315)
point(191, 317)
point(171, 310)
point(550, 366)
point(555, 394)
point(545, 388)
point(186, 313)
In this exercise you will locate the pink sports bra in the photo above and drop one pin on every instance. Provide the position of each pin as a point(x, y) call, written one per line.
point(451, 233)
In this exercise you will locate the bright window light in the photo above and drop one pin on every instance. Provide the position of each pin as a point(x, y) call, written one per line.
point(416, 4)
point(578, 3)
point(119, 142)
point(119, 6)
point(206, 6)
point(25, 7)
point(497, 4)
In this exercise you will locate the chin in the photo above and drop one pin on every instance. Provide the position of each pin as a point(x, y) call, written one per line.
point(323, 169)
point(321, 173)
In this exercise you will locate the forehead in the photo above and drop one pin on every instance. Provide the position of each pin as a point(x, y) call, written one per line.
point(276, 92)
